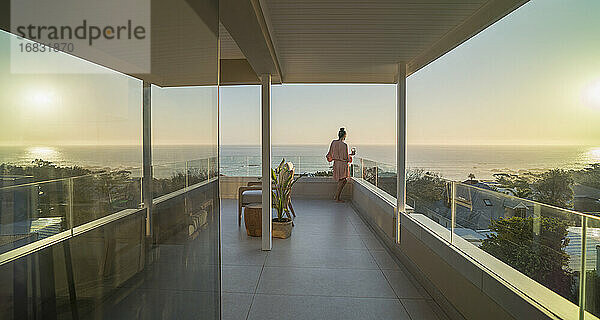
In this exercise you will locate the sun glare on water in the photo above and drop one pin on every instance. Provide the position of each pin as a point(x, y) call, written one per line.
point(44, 153)
point(594, 154)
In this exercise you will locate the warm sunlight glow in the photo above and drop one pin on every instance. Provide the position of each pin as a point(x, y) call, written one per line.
point(46, 153)
point(591, 94)
point(40, 99)
point(594, 154)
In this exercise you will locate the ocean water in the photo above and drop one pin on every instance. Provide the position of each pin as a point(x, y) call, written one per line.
point(452, 161)
point(102, 157)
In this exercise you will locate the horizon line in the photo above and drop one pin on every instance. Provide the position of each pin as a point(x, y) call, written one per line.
point(298, 144)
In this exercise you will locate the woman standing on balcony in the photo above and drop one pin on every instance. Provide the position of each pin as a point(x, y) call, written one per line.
point(338, 153)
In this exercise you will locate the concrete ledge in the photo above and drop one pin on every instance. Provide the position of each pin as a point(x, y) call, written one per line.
point(364, 191)
point(516, 292)
point(464, 280)
point(228, 186)
point(305, 188)
point(379, 205)
point(319, 188)
point(182, 191)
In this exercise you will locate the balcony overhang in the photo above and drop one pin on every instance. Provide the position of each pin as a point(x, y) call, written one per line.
point(183, 44)
point(303, 41)
point(355, 41)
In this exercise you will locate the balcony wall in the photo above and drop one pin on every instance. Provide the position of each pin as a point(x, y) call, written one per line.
point(108, 256)
point(94, 262)
point(464, 287)
point(305, 188)
point(82, 273)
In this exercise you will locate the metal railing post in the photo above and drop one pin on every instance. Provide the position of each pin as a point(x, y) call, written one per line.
point(187, 175)
point(362, 168)
point(582, 274)
point(147, 155)
point(267, 227)
point(208, 168)
point(400, 145)
point(70, 203)
point(452, 210)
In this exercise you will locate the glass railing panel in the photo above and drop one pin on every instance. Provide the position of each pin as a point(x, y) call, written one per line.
point(253, 166)
point(76, 274)
point(301, 164)
point(591, 301)
point(234, 166)
point(250, 166)
point(240, 166)
point(386, 178)
point(197, 171)
point(356, 168)
point(33, 211)
point(370, 171)
point(295, 160)
point(213, 168)
point(102, 260)
point(429, 195)
point(168, 178)
point(37, 283)
point(540, 241)
point(98, 195)
point(317, 166)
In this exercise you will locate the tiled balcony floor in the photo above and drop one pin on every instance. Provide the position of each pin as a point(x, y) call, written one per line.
point(332, 267)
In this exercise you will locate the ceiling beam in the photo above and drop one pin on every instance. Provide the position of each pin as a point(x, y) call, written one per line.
point(265, 25)
point(246, 28)
point(237, 72)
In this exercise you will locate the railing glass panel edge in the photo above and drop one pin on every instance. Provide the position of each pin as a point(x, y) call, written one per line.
point(558, 248)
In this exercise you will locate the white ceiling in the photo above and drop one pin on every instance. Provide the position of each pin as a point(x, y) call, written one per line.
point(306, 41)
point(362, 41)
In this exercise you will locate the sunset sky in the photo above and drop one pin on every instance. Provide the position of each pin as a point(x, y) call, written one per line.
point(532, 78)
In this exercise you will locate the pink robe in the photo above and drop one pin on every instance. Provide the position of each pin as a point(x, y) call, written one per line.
point(338, 153)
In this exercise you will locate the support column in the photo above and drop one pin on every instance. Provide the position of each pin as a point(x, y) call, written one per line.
point(267, 241)
point(147, 156)
point(400, 147)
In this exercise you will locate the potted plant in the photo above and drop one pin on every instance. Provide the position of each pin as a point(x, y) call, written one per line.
point(283, 181)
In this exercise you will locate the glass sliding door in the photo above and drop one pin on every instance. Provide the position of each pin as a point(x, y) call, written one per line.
point(185, 213)
point(75, 238)
point(185, 187)
point(70, 158)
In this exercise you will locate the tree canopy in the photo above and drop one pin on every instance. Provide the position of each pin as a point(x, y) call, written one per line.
point(426, 186)
point(541, 257)
point(554, 187)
